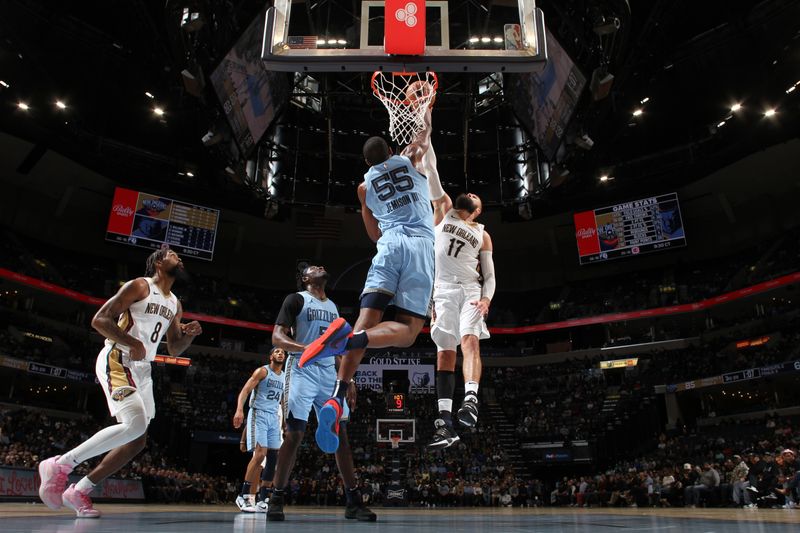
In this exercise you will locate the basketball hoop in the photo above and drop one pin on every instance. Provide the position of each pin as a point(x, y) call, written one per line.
point(395, 441)
point(406, 96)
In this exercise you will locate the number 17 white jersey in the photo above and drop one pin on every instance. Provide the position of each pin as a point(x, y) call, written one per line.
point(148, 320)
point(458, 248)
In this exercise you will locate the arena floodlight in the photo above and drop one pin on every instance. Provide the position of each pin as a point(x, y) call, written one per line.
point(23, 106)
point(736, 107)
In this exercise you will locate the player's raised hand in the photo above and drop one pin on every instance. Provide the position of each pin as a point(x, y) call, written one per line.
point(193, 329)
point(136, 350)
point(238, 418)
point(482, 306)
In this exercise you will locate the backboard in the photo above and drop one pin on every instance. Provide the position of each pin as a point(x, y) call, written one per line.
point(385, 428)
point(447, 48)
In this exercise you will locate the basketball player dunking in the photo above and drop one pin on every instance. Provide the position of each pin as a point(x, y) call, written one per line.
point(395, 206)
point(303, 316)
point(263, 430)
point(460, 302)
point(133, 322)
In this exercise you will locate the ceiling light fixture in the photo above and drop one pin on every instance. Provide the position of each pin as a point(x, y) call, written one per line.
point(149, 95)
point(644, 100)
point(604, 178)
point(190, 174)
point(320, 41)
point(23, 106)
point(638, 113)
point(4, 84)
point(60, 104)
point(474, 40)
point(158, 111)
point(498, 40)
point(486, 39)
point(770, 112)
point(736, 107)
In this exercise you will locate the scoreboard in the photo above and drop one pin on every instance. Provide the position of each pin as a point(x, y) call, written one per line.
point(630, 228)
point(148, 221)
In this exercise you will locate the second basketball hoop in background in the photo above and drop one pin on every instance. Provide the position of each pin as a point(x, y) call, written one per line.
point(406, 96)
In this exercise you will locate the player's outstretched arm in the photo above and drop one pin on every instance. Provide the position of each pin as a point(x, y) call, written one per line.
point(441, 200)
point(487, 271)
point(180, 336)
point(258, 375)
point(417, 148)
point(105, 320)
point(370, 222)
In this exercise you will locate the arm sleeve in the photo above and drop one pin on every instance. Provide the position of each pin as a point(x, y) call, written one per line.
point(487, 270)
point(291, 307)
point(432, 173)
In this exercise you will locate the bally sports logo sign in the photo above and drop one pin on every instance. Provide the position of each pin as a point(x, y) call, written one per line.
point(122, 210)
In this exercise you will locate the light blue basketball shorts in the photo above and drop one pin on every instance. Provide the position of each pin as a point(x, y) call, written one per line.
point(403, 269)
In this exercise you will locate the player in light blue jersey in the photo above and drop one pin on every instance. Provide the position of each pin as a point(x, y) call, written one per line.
point(262, 434)
point(303, 316)
point(396, 208)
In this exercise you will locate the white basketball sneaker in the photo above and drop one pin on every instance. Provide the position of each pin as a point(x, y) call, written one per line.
point(262, 506)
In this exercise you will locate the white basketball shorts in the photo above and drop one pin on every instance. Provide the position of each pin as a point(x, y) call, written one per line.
point(455, 315)
point(119, 377)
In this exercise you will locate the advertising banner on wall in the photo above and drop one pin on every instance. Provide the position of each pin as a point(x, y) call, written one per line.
point(421, 377)
point(23, 482)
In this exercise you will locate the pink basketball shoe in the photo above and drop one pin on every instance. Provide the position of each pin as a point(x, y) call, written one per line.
point(80, 502)
point(53, 481)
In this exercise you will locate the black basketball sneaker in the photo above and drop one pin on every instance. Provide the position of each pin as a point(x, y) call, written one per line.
point(468, 413)
point(359, 511)
point(275, 510)
point(444, 436)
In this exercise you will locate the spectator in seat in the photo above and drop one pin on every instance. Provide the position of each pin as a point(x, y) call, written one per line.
point(740, 482)
point(708, 480)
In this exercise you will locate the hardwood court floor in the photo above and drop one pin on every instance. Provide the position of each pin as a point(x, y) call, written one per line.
point(143, 518)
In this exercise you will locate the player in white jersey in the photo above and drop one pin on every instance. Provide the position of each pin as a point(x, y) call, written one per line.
point(133, 322)
point(463, 288)
point(262, 434)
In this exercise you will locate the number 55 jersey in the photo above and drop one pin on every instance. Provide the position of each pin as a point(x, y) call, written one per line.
point(402, 269)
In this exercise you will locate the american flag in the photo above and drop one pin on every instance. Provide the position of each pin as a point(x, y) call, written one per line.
point(302, 41)
point(311, 226)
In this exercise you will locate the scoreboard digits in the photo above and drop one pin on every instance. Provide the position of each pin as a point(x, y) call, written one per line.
point(148, 221)
point(630, 228)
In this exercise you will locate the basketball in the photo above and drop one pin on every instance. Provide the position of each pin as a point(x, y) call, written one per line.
point(420, 90)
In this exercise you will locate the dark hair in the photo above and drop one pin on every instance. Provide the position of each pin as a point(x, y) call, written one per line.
point(150, 264)
point(376, 150)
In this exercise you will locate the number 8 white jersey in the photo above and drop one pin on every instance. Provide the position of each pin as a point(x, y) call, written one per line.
point(458, 248)
point(148, 320)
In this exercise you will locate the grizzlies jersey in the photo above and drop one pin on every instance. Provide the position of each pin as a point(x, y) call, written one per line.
point(267, 394)
point(148, 320)
point(308, 318)
point(458, 248)
point(398, 196)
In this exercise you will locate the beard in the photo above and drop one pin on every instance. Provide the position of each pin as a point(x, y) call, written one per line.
point(178, 273)
point(464, 203)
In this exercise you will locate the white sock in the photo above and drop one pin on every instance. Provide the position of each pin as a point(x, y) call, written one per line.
point(67, 460)
point(471, 387)
point(85, 485)
point(445, 405)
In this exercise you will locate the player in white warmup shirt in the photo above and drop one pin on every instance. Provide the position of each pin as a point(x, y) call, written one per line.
point(463, 288)
point(133, 322)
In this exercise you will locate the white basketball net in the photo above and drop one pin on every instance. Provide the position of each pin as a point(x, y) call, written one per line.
point(406, 96)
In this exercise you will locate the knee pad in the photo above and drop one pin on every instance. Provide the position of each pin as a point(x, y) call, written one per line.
point(295, 424)
point(269, 469)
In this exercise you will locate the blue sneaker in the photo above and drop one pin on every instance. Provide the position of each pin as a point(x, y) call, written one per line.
point(329, 344)
point(328, 428)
